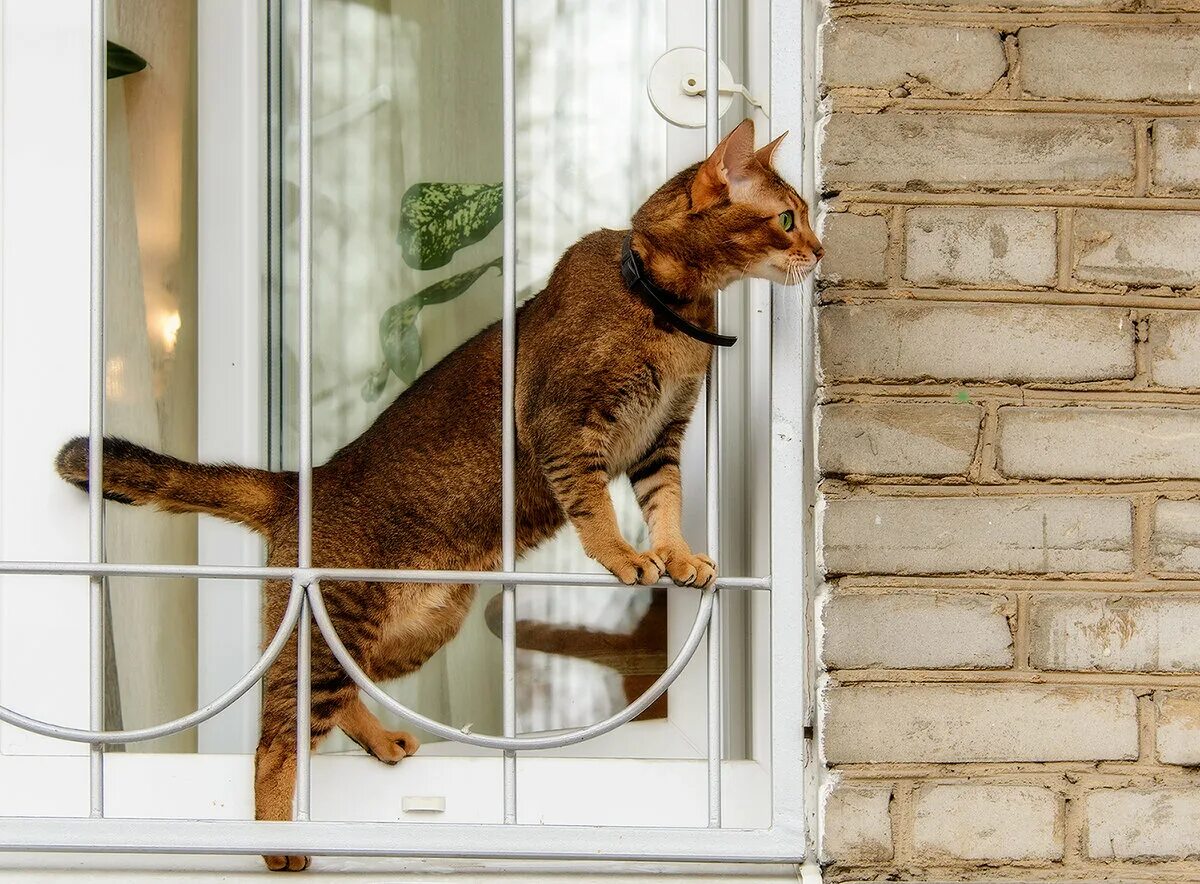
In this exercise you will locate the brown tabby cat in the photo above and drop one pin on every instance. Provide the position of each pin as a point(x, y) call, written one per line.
point(604, 387)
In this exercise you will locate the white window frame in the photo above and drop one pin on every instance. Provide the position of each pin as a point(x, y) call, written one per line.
point(49, 198)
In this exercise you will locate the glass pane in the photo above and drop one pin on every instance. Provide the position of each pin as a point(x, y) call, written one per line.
point(150, 339)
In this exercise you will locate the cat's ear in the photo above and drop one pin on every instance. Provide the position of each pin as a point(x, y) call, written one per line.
point(730, 163)
point(764, 154)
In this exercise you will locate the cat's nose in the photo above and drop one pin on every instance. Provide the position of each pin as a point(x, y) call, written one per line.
point(818, 251)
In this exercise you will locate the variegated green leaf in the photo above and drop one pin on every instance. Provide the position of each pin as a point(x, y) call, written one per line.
point(452, 286)
point(400, 340)
point(437, 219)
point(372, 387)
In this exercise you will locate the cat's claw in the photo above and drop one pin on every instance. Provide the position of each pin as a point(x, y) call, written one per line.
point(691, 570)
point(644, 568)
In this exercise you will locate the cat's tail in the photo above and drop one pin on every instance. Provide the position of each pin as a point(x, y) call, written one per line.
point(137, 475)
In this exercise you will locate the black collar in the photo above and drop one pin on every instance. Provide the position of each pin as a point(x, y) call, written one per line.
point(638, 280)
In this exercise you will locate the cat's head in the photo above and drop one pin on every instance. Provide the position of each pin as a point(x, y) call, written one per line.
point(735, 215)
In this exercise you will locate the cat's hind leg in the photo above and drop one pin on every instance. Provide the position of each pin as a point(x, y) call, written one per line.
point(361, 725)
point(275, 759)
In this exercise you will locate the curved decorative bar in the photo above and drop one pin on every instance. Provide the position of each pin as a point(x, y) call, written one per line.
point(108, 738)
point(487, 741)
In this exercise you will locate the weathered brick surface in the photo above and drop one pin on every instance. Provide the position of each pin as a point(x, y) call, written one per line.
point(934, 535)
point(1099, 443)
point(1175, 349)
point(1043, 541)
point(1177, 154)
point(916, 630)
point(897, 439)
point(857, 824)
point(1117, 62)
point(975, 246)
point(855, 248)
point(1143, 823)
point(1133, 633)
point(960, 151)
point(1178, 726)
point(883, 56)
point(906, 340)
point(1175, 543)
point(953, 723)
point(991, 822)
point(1136, 248)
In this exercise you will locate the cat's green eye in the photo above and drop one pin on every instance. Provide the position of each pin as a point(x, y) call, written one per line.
point(785, 220)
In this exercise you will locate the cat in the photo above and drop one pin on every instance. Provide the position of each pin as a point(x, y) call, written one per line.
point(606, 382)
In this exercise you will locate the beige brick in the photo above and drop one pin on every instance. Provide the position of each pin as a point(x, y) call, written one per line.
point(1134, 633)
point(1178, 733)
point(1177, 154)
point(1175, 544)
point(941, 535)
point(1136, 248)
point(1117, 62)
point(906, 340)
point(855, 248)
point(897, 438)
point(938, 723)
point(974, 245)
point(1175, 349)
point(857, 824)
point(1099, 443)
point(958, 151)
point(975, 822)
point(883, 56)
point(916, 630)
point(1008, 4)
point(1145, 823)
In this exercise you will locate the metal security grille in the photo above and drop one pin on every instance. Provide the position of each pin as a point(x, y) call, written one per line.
point(783, 841)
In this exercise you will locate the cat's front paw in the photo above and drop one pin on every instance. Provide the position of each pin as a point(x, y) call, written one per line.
point(634, 567)
point(687, 568)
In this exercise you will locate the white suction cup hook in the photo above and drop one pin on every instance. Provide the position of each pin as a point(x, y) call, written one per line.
point(677, 84)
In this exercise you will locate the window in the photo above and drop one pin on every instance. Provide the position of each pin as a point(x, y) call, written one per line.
point(711, 769)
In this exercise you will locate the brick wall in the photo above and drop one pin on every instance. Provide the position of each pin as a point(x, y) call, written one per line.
point(1009, 440)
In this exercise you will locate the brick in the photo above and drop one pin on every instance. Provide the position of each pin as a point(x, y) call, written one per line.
point(916, 630)
point(857, 824)
point(897, 438)
point(959, 151)
point(973, 245)
point(1177, 154)
point(1110, 62)
point(1143, 823)
point(1136, 248)
point(855, 248)
point(1175, 349)
point(1099, 443)
point(943, 535)
point(1009, 4)
point(1178, 732)
point(1135, 633)
point(1175, 543)
point(938, 723)
point(996, 342)
point(977, 822)
point(883, 56)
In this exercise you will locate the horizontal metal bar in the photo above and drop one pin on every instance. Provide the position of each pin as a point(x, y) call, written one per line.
point(434, 840)
point(378, 575)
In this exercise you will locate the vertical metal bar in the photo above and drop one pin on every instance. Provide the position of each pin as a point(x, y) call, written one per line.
point(789, 472)
point(304, 555)
point(99, 67)
point(304, 710)
point(712, 97)
point(305, 280)
point(508, 405)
